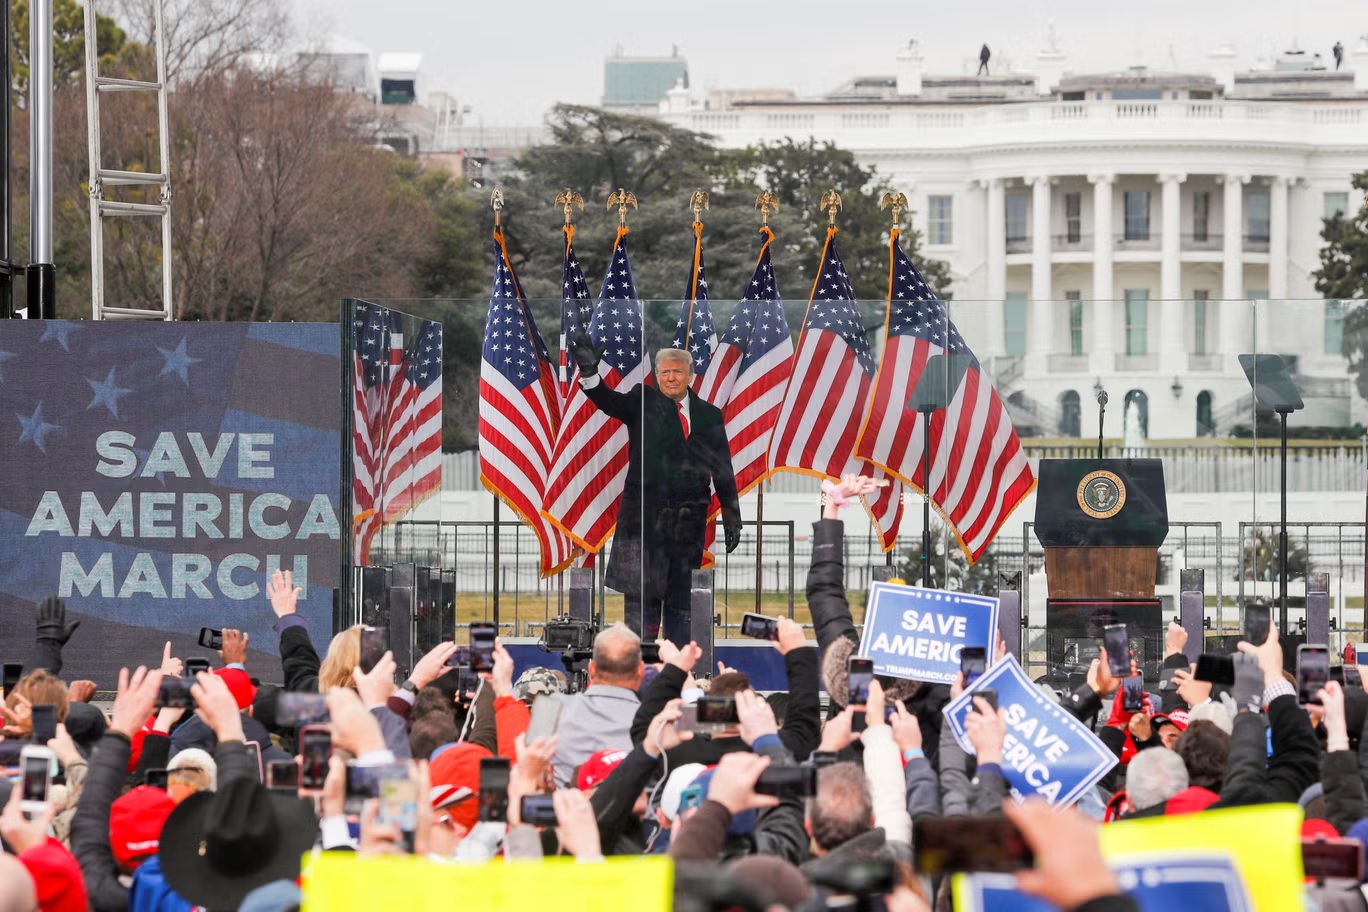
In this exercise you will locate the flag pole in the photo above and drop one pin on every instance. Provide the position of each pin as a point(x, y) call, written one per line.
point(766, 202)
point(496, 202)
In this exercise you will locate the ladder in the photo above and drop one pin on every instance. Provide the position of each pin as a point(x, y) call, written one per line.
point(102, 178)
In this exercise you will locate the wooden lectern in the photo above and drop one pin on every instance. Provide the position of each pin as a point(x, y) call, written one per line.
point(1101, 522)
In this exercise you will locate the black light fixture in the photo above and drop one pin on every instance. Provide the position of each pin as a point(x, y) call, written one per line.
point(1177, 387)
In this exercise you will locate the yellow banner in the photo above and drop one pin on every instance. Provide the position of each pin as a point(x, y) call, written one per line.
point(336, 881)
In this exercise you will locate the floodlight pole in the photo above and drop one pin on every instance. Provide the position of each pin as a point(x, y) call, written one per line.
point(1282, 526)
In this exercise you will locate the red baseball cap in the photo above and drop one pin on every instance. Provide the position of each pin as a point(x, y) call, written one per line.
point(56, 877)
point(135, 824)
point(599, 766)
point(1178, 719)
point(239, 685)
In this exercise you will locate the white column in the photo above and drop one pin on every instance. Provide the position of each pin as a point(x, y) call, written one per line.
point(997, 263)
point(1041, 331)
point(1235, 325)
point(1171, 355)
point(1103, 359)
point(1278, 235)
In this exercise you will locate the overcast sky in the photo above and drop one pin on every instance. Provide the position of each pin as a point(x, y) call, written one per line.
point(512, 60)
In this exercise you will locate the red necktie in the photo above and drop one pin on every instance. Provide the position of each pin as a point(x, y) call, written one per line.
point(683, 420)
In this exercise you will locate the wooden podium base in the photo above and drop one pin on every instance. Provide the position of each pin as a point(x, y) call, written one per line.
point(1101, 571)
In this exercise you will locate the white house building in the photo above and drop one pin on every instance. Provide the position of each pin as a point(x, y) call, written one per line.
point(1132, 230)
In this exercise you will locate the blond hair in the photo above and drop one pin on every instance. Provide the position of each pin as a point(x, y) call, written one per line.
point(344, 654)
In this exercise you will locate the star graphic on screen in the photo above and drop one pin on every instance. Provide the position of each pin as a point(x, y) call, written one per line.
point(59, 331)
point(107, 393)
point(35, 428)
point(177, 362)
point(5, 356)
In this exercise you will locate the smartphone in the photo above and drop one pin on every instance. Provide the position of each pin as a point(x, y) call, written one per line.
point(12, 672)
point(35, 764)
point(759, 627)
point(460, 658)
point(282, 776)
point(1117, 643)
point(1313, 670)
point(1333, 859)
point(973, 663)
point(650, 653)
point(859, 675)
point(946, 845)
point(466, 686)
point(1133, 693)
point(363, 783)
point(294, 709)
point(716, 713)
point(545, 716)
point(254, 749)
point(482, 636)
point(315, 747)
point(1255, 623)
point(1217, 669)
point(820, 759)
point(374, 645)
point(211, 638)
point(1352, 678)
point(988, 694)
point(156, 777)
point(399, 807)
point(537, 810)
point(174, 693)
point(688, 718)
point(494, 789)
point(196, 665)
point(44, 716)
point(788, 782)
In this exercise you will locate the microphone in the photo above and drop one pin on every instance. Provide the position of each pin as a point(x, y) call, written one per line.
point(1101, 411)
point(1102, 398)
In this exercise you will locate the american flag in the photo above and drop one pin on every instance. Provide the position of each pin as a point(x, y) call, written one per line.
point(519, 411)
point(396, 418)
point(590, 463)
point(575, 311)
point(979, 473)
point(749, 370)
point(823, 406)
point(695, 331)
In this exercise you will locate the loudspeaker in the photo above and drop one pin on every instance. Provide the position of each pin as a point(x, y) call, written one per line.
point(402, 598)
point(1192, 610)
point(701, 617)
point(1009, 612)
point(1318, 608)
point(374, 597)
point(582, 594)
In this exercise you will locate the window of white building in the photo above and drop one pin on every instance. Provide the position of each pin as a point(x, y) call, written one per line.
point(1016, 217)
point(1201, 216)
point(1014, 323)
point(1137, 203)
point(1334, 327)
point(1199, 321)
point(1336, 204)
point(1256, 226)
point(1073, 217)
point(1137, 321)
point(1075, 299)
point(940, 226)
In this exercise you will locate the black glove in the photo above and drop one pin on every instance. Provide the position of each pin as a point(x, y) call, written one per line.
point(50, 619)
point(586, 356)
point(1249, 682)
point(731, 525)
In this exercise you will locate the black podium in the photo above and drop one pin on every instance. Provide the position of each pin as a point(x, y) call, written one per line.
point(1101, 522)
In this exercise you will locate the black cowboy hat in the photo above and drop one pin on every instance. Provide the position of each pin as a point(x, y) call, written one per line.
point(216, 847)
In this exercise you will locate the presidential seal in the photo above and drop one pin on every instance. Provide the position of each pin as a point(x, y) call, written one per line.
point(1101, 494)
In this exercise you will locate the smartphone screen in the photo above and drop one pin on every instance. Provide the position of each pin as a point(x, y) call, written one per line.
point(1117, 644)
point(282, 775)
point(211, 638)
point(156, 777)
point(545, 716)
point(650, 653)
point(537, 810)
point(315, 747)
point(399, 808)
point(36, 778)
point(973, 663)
point(1332, 859)
point(988, 694)
point(717, 711)
point(44, 723)
point(820, 759)
point(174, 693)
point(374, 643)
point(945, 845)
point(294, 709)
point(194, 666)
point(1313, 671)
point(1255, 623)
point(482, 646)
point(364, 782)
point(254, 749)
point(859, 675)
point(1133, 693)
point(788, 782)
point(460, 658)
point(759, 627)
point(494, 789)
point(1352, 678)
point(1217, 669)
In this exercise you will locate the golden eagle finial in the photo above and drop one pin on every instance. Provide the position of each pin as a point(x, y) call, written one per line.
point(766, 202)
point(897, 201)
point(831, 202)
point(698, 201)
point(496, 202)
point(622, 199)
point(568, 199)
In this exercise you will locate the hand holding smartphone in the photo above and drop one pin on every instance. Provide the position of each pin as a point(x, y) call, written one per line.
point(1256, 618)
point(1313, 671)
point(35, 764)
point(374, 645)
point(494, 774)
point(859, 675)
point(211, 638)
point(482, 636)
point(44, 722)
point(1117, 643)
point(759, 627)
point(315, 748)
point(973, 663)
point(1133, 694)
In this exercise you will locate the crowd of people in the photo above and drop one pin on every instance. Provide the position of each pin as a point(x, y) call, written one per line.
point(624, 769)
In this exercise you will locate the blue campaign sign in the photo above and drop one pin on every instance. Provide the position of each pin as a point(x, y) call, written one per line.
point(917, 633)
point(1157, 883)
point(1047, 752)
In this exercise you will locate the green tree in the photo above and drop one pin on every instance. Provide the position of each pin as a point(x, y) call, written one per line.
point(68, 42)
point(1259, 560)
point(1343, 275)
point(952, 572)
